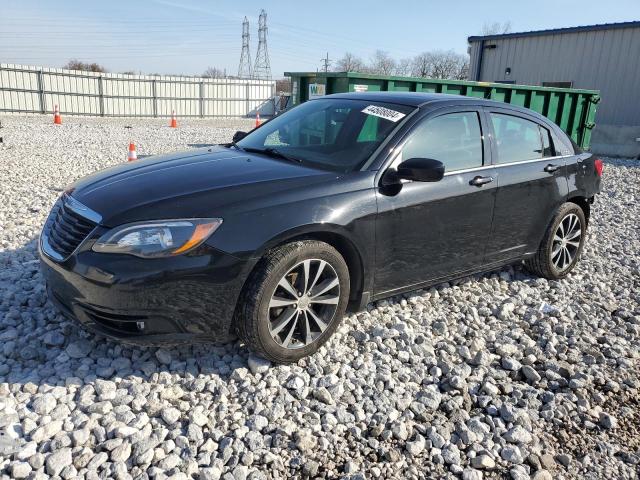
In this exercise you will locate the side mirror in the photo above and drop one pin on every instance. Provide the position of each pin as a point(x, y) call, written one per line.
point(421, 170)
point(239, 135)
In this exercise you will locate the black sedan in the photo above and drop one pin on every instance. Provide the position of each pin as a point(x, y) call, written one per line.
point(338, 202)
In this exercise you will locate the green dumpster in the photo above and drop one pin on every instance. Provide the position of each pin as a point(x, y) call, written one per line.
point(572, 109)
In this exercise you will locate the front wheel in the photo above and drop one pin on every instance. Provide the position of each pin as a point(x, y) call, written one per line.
point(293, 301)
point(562, 244)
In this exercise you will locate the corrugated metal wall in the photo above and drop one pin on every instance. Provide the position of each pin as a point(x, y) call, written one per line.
point(30, 89)
point(605, 60)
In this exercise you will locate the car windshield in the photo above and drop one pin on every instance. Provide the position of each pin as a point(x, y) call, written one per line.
point(336, 134)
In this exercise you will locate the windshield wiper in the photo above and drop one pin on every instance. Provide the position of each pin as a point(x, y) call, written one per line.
point(233, 144)
point(272, 152)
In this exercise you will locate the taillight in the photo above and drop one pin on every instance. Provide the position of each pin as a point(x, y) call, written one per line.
point(599, 165)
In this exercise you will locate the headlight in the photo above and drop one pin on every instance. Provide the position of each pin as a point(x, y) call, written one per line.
point(162, 238)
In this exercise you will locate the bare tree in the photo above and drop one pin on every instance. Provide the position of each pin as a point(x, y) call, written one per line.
point(283, 85)
point(350, 63)
point(382, 63)
point(496, 28)
point(439, 64)
point(75, 64)
point(214, 72)
point(421, 65)
point(404, 67)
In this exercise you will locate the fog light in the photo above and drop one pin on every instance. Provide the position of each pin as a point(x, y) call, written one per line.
point(140, 325)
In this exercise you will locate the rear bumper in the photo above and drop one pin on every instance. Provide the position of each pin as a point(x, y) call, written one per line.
point(181, 299)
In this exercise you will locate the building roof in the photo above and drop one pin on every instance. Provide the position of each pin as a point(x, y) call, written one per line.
point(557, 31)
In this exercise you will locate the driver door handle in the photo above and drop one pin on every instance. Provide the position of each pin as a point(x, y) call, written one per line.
point(480, 181)
point(551, 168)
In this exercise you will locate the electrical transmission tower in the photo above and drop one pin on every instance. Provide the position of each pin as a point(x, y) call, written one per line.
point(262, 67)
point(244, 69)
point(326, 61)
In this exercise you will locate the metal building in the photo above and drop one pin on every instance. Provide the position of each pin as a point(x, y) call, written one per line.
point(604, 57)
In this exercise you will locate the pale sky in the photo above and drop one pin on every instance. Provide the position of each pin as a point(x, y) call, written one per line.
point(185, 37)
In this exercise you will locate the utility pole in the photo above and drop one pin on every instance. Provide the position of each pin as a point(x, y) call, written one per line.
point(327, 62)
point(262, 67)
point(244, 69)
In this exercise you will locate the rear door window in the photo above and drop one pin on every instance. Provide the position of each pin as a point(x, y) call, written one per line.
point(455, 139)
point(519, 140)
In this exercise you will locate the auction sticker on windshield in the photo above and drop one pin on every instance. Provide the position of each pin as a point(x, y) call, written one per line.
point(383, 112)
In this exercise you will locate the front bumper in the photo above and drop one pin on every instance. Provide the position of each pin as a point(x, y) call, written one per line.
point(180, 299)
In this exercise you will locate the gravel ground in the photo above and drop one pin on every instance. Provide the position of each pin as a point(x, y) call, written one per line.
point(501, 375)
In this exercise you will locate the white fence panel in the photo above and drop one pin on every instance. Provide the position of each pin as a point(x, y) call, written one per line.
point(31, 89)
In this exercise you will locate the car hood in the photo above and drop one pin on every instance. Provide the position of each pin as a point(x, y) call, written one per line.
point(199, 183)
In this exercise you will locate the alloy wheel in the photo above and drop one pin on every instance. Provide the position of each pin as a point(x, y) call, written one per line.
point(304, 303)
point(566, 242)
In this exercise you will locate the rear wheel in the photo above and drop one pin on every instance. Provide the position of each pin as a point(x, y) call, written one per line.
point(562, 244)
point(293, 301)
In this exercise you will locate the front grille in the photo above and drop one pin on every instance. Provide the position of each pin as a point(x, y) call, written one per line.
point(66, 228)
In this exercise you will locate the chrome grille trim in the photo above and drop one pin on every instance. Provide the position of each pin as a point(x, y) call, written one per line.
point(67, 227)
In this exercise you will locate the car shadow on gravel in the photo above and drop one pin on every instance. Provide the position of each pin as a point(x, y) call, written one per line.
point(40, 345)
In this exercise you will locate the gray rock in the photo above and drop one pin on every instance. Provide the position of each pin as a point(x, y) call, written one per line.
point(79, 349)
point(431, 397)
point(170, 415)
point(163, 356)
point(121, 453)
point(310, 468)
point(518, 434)
point(451, 455)
point(53, 338)
point(417, 446)
point(97, 461)
point(210, 473)
point(57, 460)
point(542, 475)
point(563, 459)
point(512, 454)
point(483, 462)
point(20, 470)
point(295, 383)
point(258, 364)
point(607, 421)
point(519, 472)
point(511, 364)
point(471, 474)
point(44, 404)
point(323, 395)
point(530, 373)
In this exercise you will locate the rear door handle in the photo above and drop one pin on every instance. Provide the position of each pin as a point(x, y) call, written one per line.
point(480, 181)
point(551, 168)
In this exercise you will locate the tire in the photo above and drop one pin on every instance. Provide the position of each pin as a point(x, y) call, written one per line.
point(546, 262)
point(262, 323)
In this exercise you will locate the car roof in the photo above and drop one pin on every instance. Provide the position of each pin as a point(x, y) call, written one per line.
point(418, 99)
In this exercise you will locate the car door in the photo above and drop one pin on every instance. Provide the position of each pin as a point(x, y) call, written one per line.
point(430, 230)
point(531, 181)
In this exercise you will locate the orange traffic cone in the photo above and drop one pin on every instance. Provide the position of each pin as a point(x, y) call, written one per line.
point(132, 153)
point(57, 119)
point(174, 122)
point(257, 119)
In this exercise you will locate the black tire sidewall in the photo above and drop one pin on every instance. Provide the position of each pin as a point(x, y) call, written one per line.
point(565, 210)
point(313, 250)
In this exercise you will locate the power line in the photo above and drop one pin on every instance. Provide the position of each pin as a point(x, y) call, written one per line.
point(244, 69)
point(262, 67)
